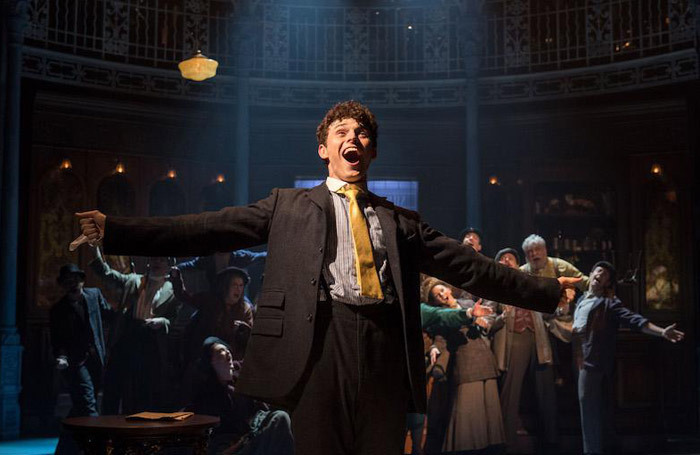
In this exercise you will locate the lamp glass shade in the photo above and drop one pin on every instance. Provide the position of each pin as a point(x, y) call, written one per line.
point(198, 67)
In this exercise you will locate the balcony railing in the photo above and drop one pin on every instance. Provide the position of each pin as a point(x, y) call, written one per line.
point(392, 41)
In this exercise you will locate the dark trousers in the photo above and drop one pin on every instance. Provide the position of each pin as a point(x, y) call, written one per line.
point(596, 402)
point(523, 360)
point(83, 382)
point(354, 396)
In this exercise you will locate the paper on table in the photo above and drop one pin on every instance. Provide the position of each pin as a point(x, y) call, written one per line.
point(160, 415)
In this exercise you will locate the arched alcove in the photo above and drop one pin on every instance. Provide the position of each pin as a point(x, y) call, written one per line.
point(166, 198)
point(61, 195)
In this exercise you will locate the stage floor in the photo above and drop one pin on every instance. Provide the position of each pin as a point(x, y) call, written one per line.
point(45, 446)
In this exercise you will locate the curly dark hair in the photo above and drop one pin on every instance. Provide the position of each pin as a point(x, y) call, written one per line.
point(348, 109)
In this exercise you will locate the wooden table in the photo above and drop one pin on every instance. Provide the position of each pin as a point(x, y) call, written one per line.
point(115, 434)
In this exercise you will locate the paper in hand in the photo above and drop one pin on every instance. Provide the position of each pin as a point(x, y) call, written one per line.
point(77, 242)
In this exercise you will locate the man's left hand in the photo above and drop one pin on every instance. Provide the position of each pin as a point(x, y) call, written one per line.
point(671, 334)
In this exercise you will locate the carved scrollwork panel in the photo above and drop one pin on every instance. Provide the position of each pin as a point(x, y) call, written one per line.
point(116, 27)
point(276, 38)
point(38, 19)
point(356, 40)
point(598, 28)
point(681, 17)
point(516, 33)
point(435, 40)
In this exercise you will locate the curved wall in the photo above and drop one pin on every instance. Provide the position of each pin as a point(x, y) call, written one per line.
point(391, 52)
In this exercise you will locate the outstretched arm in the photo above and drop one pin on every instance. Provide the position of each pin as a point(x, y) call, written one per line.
point(105, 272)
point(440, 319)
point(228, 229)
point(669, 333)
point(461, 266)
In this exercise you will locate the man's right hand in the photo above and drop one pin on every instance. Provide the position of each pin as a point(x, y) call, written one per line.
point(61, 363)
point(92, 225)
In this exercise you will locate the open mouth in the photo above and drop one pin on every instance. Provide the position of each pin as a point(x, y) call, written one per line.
point(352, 156)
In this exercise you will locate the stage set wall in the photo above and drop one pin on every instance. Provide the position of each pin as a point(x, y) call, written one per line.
point(593, 140)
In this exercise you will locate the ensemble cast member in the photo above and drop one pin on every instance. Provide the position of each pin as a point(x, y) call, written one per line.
point(522, 347)
point(474, 414)
point(597, 316)
point(436, 320)
point(471, 236)
point(247, 426)
point(213, 264)
point(137, 374)
point(539, 264)
point(216, 311)
point(337, 335)
point(77, 339)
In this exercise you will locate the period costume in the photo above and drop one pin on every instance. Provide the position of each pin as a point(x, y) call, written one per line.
point(139, 373)
point(77, 334)
point(210, 266)
point(554, 268)
point(435, 320)
point(596, 321)
point(248, 427)
point(78, 342)
point(522, 347)
point(213, 317)
point(313, 335)
point(475, 420)
point(527, 344)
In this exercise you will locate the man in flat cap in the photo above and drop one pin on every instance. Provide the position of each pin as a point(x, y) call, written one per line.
point(77, 339)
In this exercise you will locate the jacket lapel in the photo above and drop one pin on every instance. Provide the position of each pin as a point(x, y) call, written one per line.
point(320, 196)
point(386, 215)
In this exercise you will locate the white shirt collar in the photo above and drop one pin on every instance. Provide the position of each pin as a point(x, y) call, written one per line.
point(335, 184)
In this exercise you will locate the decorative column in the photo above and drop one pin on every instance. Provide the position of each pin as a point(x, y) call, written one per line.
point(241, 161)
point(14, 13)
point(241, 156)
point(471, 34)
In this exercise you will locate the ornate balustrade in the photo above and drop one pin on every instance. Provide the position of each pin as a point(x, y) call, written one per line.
point(529, 48)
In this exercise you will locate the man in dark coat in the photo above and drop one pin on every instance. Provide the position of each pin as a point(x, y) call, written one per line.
point(77, 339)
point(338, 345)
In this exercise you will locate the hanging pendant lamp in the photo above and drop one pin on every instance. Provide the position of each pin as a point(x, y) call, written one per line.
point(198, 67)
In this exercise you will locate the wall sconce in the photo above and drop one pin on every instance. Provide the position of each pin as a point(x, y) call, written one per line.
point(119, 169)
point(493, 180)
point(198, 67)
point(66, 165)
point(220, 178)
point(656, 169)
point(172, 174)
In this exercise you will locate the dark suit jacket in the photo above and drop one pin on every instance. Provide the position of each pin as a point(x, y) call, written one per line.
point(295, 224)
point(598, 341)
point(66, 323)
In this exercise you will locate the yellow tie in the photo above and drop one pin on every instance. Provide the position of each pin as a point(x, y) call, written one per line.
point(367, 276)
